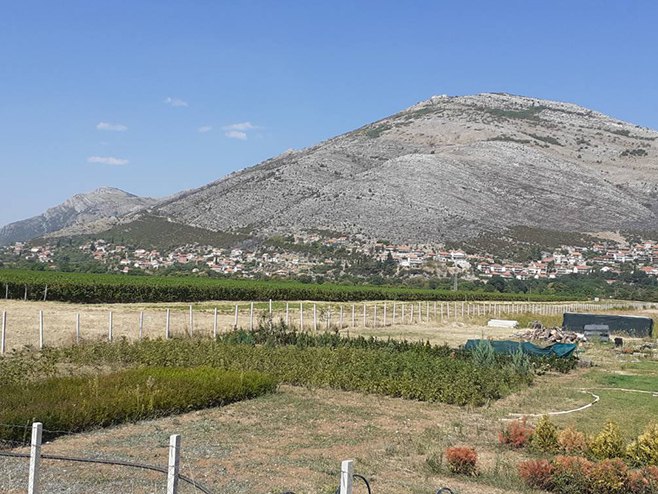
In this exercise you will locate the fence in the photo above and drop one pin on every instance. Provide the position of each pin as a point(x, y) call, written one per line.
point(170, 475)
point(46, 326)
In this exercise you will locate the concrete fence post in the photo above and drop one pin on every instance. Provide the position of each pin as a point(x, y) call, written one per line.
point(346, 476)
point(3, 336)
point(141, 324)
point(214, 324)
point(35, 458)
point(301, 316)
point(40, 330)
point(251, 317)
point(109, 327)
point(235, 319)
point(191, 320)
point(168, 325)
point(77, 328)
point(174, 464)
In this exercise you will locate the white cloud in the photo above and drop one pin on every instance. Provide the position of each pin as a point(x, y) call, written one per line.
point(115, 127)
point(240, 126)
point(236, 134)
point(107, 160)
point(176, 102)
point(205, 128)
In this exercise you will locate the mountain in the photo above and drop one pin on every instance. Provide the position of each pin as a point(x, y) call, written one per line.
point(448, 168)
point(105, 204)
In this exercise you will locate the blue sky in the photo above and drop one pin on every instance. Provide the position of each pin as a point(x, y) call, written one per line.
point(158, 96)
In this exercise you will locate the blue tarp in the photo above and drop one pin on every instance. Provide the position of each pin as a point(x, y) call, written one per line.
point(507, 346)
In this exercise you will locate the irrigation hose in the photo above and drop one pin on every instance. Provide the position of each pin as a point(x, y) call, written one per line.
point(143, 466)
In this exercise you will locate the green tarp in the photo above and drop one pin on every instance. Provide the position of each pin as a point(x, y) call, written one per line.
point(638, 326)
point(564, 350)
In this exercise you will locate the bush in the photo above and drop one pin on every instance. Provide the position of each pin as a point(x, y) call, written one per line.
point(644, 450)
point(571, 475)
point(643, 481)
point(462, 460)
point(544, 439)
point(572, 441)
point(608, 443)
point(537, 474)
point(609, 477)
point(516, 434)
point(74, 404)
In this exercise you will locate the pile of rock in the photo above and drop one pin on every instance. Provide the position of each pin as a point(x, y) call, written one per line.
point(537, 331)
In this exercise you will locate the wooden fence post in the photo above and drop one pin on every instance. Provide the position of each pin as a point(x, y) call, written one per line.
point(45, 293)
point(346, 476)
point(394, 311)
point(35, 458)
point(341, 317)
point(374, 317)
point(174, 464)
point(6, 291)
point(109, 330)
point(40, 329)
point(384, 322)
point(3, 337)
point(214, 324)
point(235, 320)
point(365, 315)
point(353, 315)
point(77, 328)
point(167, 325)
point(287, 314)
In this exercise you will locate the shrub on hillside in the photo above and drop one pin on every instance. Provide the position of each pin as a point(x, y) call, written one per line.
point(609, 477)
point(516, 433)
point(643, 481)
point(572, 442)
point(537, 474)
point(571, 475)
point(462, 460)
point(644, 450)
point(544, 439)
point(608, 443)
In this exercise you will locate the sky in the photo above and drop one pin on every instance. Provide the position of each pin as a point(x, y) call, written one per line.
point(157, 96)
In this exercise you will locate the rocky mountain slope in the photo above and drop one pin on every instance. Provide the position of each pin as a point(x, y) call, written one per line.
point(105, 204)
point(447, 169)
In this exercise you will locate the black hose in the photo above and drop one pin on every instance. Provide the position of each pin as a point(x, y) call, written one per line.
point(143, 466)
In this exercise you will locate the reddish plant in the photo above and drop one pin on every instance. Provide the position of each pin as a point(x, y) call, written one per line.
point(609, 477)
point(517, 434)
point(571, 474)
point(643, 481)
point(537, 474)
point(462, 460)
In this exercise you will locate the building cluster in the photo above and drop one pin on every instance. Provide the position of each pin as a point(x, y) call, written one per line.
point(268, 260)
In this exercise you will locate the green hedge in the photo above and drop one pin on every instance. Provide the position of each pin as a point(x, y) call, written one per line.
point(85, 402)
point(110, 288)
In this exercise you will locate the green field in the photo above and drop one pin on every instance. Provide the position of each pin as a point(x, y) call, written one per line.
point(114, 288)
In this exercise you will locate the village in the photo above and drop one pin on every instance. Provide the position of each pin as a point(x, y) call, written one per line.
point(293, 259)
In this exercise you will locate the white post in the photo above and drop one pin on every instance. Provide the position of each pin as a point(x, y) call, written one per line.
point(420, 312)
point(174, 464)
point(427, 311)
point(353, 315)
point(214, 324)
point(462, 310)
point(270, 308)
point(167, 325)
point(374, 318)
point(40, 329)
point(435, 311)
point(77, 328)
point(384, 322)
point(3, 338)
point(365, 315)
point(141, 324)
point(411, 313)
point(287, 314)
point(394, 311)
point(109, 328)
point(328, 317)
point(341, 317)
point(346, 476)
point(191, 321)
point(441, 312)
point(402, 318)
point(251, 317)
point(315, 317)
point(301, 316)
point(35, 458)
point(235, 319)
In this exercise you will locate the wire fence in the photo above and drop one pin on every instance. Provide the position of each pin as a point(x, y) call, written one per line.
point(39, 324)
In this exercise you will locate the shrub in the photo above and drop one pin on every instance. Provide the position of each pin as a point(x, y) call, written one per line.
point(537, 474)
point(462, 460)
point(644, 450)
point(571, 474)
point(572, 441)
point(609, 477)
point(608, 443)
point(484, 354)
point(643, 481)
point(516, 434)
point(544, 439)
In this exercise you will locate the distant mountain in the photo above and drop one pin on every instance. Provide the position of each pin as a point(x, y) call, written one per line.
point(103, 204)
point(448, 168)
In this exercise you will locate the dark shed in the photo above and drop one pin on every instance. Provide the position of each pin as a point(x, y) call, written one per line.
point(628, 325)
